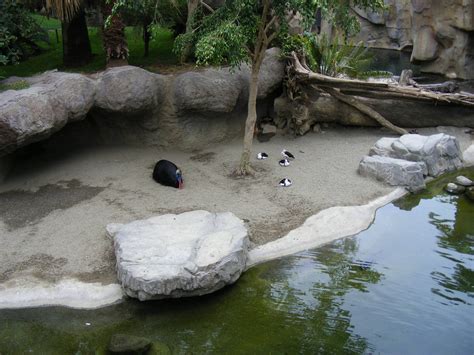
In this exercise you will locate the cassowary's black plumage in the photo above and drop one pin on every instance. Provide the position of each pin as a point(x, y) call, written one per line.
point(168, 174)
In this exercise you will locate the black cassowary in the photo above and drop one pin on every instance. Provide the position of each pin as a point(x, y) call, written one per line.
point(168, 174)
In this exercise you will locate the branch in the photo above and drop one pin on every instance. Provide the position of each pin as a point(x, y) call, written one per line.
point(369, 89)
point(270, 24)
point(365, 109)
point(207, 6)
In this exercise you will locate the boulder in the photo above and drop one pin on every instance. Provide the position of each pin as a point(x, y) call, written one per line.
point(213, 90)
point(128, 344)
point(439, 152)
point(454, 189)
point(27, 116)
point(189, 254)
point(464, 181)
point(74, 92)
point(468, 155)
point(425, 46)
point(440, 33)
point(395, 172)
point(270, 77)
point(470, 193)
point(128, 90)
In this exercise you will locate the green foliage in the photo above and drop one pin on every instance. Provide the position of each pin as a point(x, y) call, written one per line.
point(339, 13)
point(19, 33)
point(51, 57)
point(229, 35)
point(163, 13)
point(333, 57)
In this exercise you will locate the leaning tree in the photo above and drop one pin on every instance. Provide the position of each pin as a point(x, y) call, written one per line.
point(242, 30)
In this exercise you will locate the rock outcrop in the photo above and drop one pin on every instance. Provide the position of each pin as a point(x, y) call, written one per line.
point(439, 34)
point(468, 156)
point(406, 160)
point(169, 256)
point(395, 172)
point(137, 106)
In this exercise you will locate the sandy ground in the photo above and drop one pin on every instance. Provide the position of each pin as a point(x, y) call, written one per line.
point(54, 205)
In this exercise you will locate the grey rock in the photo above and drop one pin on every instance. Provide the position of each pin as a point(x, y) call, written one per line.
point(470, 193)
point(439, 152)
point(464, 181)
point(134, 105)
point(439, 32)
point(128, 344)
point(27, 116)
point(74, 92)
point(425, 47)
point(454, 189)
point(189, 254)
point(214, 90)
point(317, 128)
point(395, 172)
point(128, 90)
point(271, 74)
point(269, 129)
point(468, 156)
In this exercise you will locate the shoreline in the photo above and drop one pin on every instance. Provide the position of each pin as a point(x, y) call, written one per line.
point(82, 295)
point(55, 204)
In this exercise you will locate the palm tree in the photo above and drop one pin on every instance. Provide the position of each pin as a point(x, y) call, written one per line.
point(113, 33)
point(76, 44)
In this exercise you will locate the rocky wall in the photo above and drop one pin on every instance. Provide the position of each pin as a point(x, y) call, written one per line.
point(439, 34)
point(131, 105)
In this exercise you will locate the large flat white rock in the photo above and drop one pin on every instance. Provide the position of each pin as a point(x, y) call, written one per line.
point(189, 254)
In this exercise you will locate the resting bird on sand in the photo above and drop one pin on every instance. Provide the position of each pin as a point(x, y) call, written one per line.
point(262, 155)
point(168, 174)
point(284, 162)
point(287, 154)
point(285, 182)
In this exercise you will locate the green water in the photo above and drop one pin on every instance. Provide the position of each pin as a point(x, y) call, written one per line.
point(404, 286)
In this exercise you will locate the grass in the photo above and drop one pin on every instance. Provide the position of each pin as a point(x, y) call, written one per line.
point(160, 55)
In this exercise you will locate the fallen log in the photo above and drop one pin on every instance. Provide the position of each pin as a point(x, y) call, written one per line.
point(371, 89)
point(368, 103)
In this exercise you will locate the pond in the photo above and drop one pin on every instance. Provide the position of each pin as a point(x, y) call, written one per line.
point(405, 285)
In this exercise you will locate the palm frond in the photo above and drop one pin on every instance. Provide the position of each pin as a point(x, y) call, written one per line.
point(65, 10)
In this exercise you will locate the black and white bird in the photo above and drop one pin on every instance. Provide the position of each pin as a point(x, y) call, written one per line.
point(262, 156)
point(284, 162)
point(287, 154)
point(168, 174)
point(285, 182)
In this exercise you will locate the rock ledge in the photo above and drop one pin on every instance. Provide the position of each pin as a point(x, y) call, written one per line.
point(169, 256)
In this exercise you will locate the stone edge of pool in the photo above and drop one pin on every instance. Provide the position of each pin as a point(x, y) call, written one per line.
point(325, 226)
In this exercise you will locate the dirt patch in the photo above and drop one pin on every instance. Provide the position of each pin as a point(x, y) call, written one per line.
point(278, 226)
point(43, 265)
point(203, 157)
point(19, 208)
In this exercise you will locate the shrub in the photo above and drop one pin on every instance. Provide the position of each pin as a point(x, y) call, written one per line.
point(19, 33)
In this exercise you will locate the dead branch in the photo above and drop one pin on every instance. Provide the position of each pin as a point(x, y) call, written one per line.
point(385, 90)
point(364, 109)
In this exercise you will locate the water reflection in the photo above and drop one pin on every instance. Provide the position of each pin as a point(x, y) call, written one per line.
point(310, 288)
point(405, 285)
point(456, 245)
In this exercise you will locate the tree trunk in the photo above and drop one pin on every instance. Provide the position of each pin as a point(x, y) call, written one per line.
point(146, 38)
point(115, 44)
point(244, 167)
point(76, 44)
point(192, 7)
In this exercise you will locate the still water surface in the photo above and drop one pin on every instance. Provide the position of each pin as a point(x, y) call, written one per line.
point(404, 286)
